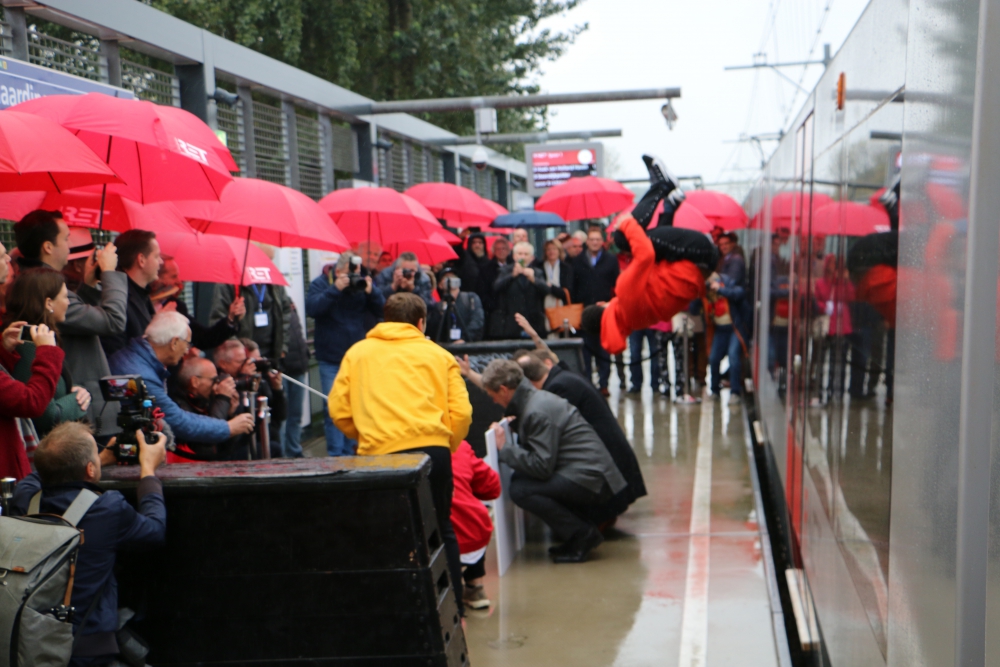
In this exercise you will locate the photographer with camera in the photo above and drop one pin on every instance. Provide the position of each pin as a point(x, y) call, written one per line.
point(40, 297)
point(339, 299)
point(254, 375)
point(201, 389)
point(23, 400)
point(519, 288)
point(459, 316)
point(68, 468)
point(167, 340)
point(43, 241)
point(405, 276)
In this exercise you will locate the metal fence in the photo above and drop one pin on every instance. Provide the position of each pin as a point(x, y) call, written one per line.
point(270, 135)
point(309, 135)
point(73, 58)
point(151, 84)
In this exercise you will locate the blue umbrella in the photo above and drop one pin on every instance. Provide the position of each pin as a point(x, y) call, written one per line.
point(529, 219)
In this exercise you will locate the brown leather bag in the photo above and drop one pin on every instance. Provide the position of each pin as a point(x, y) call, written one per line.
point(559, 314)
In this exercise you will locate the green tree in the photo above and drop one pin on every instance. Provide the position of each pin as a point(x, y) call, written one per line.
point(401, 49)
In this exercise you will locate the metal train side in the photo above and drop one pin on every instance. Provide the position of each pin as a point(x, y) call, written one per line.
point(873, 345)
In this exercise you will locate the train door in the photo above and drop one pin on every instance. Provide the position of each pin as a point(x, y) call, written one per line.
point(800, 320)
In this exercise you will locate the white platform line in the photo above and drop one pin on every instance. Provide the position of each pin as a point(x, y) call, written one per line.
point(694, 622)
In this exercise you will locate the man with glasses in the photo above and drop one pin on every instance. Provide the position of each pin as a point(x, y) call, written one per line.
point(166, 342)
point(202, 390)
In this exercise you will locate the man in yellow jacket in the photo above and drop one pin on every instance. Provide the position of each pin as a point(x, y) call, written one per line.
point(397, 392)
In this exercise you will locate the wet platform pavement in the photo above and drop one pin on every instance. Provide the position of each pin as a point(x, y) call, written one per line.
point(679, 581)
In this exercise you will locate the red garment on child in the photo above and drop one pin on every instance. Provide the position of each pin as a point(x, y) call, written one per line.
point(27, 401)
point(647, 291)
point(474, 482)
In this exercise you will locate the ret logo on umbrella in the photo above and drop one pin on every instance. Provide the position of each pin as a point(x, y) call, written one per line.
point(192, 151)
point(259, 274)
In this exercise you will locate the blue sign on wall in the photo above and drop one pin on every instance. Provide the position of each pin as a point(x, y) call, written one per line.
point(21, 81)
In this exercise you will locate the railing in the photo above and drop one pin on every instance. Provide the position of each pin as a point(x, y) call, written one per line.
point(270, 143)
point(310, 143)
point(151, 84)
point(68, 57)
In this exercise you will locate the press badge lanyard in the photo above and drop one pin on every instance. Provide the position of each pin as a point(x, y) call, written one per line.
point(260, 316)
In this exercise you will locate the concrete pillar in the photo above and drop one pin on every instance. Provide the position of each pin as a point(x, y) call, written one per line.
point(366, 168)
point(326, 141)
point(503, 182)
point(291, 127)
point(112, 54)
point(18, 22)
point(450, 172)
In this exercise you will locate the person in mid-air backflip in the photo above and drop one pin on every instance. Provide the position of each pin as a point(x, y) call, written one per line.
point(668, 269)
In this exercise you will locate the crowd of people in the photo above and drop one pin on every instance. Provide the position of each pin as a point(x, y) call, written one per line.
point(74, 313)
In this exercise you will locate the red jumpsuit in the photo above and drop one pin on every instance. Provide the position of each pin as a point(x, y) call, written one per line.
point(647, 291)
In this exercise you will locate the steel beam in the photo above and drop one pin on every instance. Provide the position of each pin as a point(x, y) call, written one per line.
point(524, 138)
point(505, 101)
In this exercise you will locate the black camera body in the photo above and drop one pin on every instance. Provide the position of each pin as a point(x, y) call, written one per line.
point(358, 282)
point(136, 413)
point(409, 273)
point(248, 382)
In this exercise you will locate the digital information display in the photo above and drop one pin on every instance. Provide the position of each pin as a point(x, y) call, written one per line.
point(552, 164)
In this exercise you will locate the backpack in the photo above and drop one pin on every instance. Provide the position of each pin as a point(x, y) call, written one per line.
point(38, 555)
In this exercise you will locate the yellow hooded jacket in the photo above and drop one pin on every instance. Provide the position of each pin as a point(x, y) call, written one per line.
point(396, 391)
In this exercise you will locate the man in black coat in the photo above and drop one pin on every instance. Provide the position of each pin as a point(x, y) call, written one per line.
point(518, 289)
point(472, 268)
point(582, 395)
point(595, 272)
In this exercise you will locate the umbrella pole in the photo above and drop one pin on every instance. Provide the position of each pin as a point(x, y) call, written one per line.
point(104, 188)
point(243, 273)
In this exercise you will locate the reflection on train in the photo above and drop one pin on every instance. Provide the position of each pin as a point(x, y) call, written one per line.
point(859, 256)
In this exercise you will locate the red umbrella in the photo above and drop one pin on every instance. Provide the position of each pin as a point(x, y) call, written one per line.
point(686, 217)
point(226, 253)
point(460, 207)
point(83, 209)
point(267, 212)
point(786, 204)
point(497, 209)
point(586, 197)
point(433, 250)
point(849, 219)
point(720, 209)
point(184, 123)
point(38, 154)
point(157, 159)
point(380, 215)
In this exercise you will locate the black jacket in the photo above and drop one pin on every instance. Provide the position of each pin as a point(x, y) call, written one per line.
point(296, 362)
point(594, 283)
point(490, 271)
point(517, 295)
point(138, 311)
point(202, 337)
point(565, 278)
point(110, 525)
point(475, 274)
point(584, 397)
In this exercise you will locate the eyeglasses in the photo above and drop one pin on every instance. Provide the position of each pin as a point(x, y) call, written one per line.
point(187, 342)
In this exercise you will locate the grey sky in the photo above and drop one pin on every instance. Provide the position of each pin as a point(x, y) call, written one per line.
point(660, 43)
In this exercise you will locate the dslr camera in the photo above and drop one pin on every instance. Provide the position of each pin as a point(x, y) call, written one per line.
point(136, 414)
point(356, 274)
point(247, 382)
point(408, 274)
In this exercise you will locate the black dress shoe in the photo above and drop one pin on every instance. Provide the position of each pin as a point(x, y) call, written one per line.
point(579, 547)
point(659, 174)
point(557, 549)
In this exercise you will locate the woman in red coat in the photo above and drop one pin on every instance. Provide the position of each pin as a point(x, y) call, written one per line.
point(24, 401)
point(474, 482)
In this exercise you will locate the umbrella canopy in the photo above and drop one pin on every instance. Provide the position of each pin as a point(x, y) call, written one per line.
point(458, 206)
point(380, 215)
point(528, 219)
point(850, 219)
point(227, 254)
point(266, 212)
point(496, 208)
point(786, 204)
point(586, 197)
point(180, 122)
point(720, 209)
point(433, 250)
point(157, 157)
point(38, 154)
point(83, 209)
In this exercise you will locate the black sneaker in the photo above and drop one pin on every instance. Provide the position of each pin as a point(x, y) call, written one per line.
point(658, 173)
